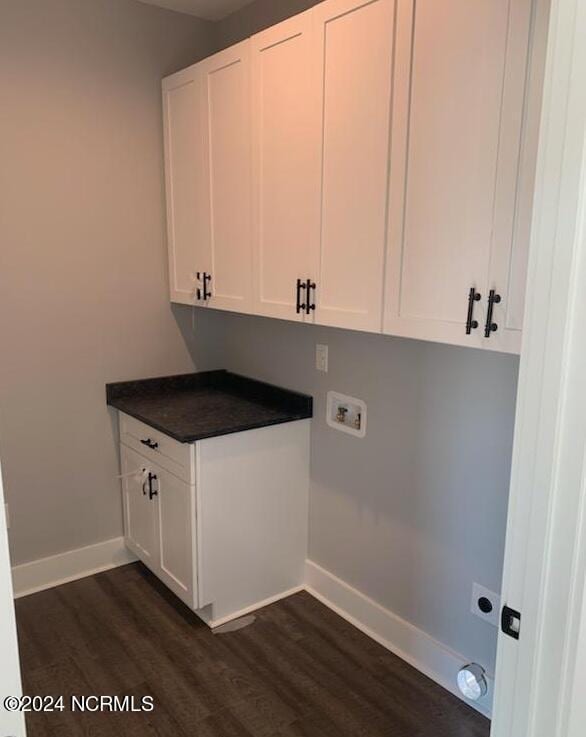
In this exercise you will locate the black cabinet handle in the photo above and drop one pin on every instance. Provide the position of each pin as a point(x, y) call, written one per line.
point(206, 292)
point(298, 304)
point(310, 306)
point(150, 444)
point(153, 492)
point(473, 297)
point(491, 327)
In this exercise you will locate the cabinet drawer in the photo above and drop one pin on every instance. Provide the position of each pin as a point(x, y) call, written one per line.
point(157, 447)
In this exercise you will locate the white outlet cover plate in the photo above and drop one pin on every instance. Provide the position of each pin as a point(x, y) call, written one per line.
point(321, 358)
point(335, 399)
point(478, 592)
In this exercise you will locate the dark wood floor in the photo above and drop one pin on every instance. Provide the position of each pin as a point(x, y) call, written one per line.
point(298, 671)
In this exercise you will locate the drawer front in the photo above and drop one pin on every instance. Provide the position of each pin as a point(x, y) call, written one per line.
point(157, 447)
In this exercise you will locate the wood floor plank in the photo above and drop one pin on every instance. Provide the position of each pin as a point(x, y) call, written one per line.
point(298, 671)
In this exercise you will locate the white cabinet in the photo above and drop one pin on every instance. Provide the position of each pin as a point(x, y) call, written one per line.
point(355, 48)
point(187, 198)
point(208, 158)
point(221, 522)
point(159, 522)
point(139, 516)
point(286, 165)
point(364, 165)
point(225, 82)
point(455, 165)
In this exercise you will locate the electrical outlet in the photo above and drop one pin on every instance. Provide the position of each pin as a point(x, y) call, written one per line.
point(486, 604)
point(321, 358)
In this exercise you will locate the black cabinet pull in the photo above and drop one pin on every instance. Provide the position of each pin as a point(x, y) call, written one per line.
point(299, 305)
point(206, 292)
point(310, 306)
point(203, 294)
point(473, 297)
point(491, 327)
point(150, 444)
point(153, 492)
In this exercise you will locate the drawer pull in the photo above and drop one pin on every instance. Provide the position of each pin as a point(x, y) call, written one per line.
point(150, 444)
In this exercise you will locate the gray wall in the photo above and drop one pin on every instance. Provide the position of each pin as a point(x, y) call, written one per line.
point(83, 276)
point(415, 513)
point(255, 17)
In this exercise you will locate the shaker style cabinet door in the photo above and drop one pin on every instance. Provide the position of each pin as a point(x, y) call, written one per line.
point(355, 50)
point(457, 120)
point(188, 234)
point(139, 513)
point(174, 505)
point(286, 168)
point(225, 105)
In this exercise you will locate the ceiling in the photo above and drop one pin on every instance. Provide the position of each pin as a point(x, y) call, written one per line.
point(209, 9)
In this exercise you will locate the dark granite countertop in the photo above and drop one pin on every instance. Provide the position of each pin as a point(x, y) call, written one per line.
point(202, 405)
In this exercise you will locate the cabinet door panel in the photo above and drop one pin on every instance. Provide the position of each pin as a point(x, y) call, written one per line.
point(356, 46)
point(447, 157)
point(139, 512)
point(175, 510)
point(226, 110)
point(285, 164)
point(187, 195)
point(515, 178)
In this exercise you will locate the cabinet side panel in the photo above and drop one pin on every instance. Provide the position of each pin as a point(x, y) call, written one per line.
point(253, 515)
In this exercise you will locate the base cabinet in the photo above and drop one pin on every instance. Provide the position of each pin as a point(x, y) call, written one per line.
point(233, 536)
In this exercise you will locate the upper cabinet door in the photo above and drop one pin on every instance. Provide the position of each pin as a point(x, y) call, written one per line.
point(286, 165)
point(515, 185)
point(454, 164)
point(355, 49)
point(225, 86)
point(187, 193)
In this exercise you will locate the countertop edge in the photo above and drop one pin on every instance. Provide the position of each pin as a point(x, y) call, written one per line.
point(190, 439)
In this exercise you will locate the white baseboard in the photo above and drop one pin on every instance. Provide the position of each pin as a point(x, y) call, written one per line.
point(46, 573)
point(409, 643)
point(213, 623)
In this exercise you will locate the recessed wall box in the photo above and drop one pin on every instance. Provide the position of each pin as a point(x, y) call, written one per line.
point(347, 414)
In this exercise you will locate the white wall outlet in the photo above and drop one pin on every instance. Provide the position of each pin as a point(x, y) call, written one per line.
point(321, 358)
point(486, 604)
point(347, 414)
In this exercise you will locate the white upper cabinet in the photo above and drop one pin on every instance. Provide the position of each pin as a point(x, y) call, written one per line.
point(225, 83)
point(367, 164)
point(457, 121)
point(286, 165)
point(188, 233)
point(355, 49)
